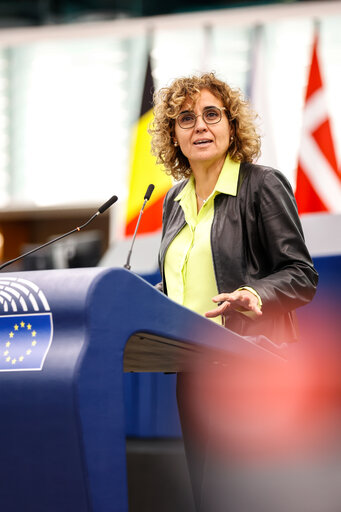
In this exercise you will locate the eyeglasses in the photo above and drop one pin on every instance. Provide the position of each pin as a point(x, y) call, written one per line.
point(210, 115)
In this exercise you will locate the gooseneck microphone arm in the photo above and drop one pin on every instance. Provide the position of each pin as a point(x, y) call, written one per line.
point(100, 210)
point(146, 199)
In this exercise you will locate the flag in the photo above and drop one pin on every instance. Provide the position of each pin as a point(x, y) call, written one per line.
point(24, 341)
point(318, 180)
point(144, 170)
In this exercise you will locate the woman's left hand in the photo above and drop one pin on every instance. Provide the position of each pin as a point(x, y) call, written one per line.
point(240, 300)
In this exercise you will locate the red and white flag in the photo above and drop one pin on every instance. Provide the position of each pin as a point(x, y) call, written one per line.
point(318, 184)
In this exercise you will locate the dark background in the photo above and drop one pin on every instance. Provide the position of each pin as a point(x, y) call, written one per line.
point(40, 12)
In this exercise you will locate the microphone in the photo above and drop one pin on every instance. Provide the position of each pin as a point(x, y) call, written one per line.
point(100, 210)
point(105, 206)
point(149, 192)
point(147, 195)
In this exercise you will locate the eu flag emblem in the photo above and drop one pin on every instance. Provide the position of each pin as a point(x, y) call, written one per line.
point(26, 326)
point(24, 341)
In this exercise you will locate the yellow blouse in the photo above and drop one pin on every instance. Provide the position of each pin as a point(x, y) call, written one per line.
point(189, 270)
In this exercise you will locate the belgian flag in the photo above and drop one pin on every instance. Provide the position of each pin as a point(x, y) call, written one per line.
point(144, 170)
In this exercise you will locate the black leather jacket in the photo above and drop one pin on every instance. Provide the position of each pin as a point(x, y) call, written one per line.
point(256, 240)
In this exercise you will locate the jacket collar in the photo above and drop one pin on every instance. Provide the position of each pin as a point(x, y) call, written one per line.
point(227, 182)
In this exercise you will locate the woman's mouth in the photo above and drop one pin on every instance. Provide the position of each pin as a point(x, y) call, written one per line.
point(202, 142)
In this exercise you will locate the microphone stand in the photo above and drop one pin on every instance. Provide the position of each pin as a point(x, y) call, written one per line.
point(127, 265)
point(146, 199)
point(100, 210)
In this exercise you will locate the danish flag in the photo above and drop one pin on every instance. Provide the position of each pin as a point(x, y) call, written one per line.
point(318, 184)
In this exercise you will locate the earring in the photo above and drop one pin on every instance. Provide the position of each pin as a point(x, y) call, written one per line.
point(231, 138)
point(176, 143)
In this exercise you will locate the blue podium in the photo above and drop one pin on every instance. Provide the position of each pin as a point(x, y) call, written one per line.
point(66, 337)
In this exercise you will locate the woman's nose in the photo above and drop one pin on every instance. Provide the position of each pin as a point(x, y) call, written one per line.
point(200, 124)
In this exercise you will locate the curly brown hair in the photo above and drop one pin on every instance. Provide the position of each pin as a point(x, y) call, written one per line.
point(245, 146)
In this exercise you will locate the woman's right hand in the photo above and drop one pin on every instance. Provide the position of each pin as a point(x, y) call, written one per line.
point(240, 300)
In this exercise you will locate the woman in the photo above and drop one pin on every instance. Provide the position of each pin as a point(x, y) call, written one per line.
point(232, 243)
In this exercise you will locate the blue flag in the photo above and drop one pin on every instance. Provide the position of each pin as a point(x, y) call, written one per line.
point(24, 341)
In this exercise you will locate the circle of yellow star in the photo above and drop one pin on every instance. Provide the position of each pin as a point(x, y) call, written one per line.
point(6, 353)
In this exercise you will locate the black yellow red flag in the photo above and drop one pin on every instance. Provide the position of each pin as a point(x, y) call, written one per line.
point(144, 169)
